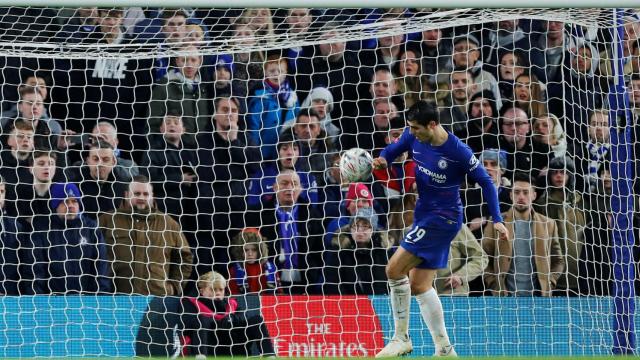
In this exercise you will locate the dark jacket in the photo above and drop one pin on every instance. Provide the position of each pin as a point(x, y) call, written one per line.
point(98, 197)
point(71, 256)
point(165, 164)
point(355, 271)
point(309, 252)
point(16, 259)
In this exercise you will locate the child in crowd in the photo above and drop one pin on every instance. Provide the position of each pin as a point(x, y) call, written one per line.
point(250, 271)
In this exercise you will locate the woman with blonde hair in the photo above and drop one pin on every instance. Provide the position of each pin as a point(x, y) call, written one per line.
point(261, 21)
point(547, 130)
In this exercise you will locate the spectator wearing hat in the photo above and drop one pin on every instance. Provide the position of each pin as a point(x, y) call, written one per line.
point(355, 261)
point(320, 99)
point(69, 250)
point(358, 196)
point(466, 55)
point(251, 271)
point(476, 214)
point(563, 204)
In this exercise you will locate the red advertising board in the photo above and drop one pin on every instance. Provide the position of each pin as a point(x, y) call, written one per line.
point(322, 326)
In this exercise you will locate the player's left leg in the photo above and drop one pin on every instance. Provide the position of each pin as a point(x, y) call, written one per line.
point(431, 309)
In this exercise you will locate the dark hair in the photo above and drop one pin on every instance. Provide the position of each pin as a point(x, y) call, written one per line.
point(168, 14)
point(39, 153)
point(522, 176)
point(634, 77)
point(174, 111)
point(308, 112)
point(100, 144)
point(287, 137)
point(461, 69)
point(233, 99)
point(397, 122)
point(25, 89)
point(111, 12)
point(423, 112)
point(484, 95)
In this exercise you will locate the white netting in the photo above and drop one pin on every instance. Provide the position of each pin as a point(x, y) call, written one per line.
point(238, 117)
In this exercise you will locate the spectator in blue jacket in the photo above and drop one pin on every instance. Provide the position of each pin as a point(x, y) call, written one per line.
point(261, 185)
point(271, 106)
point(70, 252)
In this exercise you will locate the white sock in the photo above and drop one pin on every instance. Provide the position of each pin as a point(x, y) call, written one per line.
point(400, 302)
point(433, 315)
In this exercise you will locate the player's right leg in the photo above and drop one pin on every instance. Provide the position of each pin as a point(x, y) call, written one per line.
point(397, 270)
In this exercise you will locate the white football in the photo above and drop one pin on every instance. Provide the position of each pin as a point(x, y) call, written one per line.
point(355, 165)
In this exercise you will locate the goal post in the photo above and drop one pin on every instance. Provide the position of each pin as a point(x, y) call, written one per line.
point(241, 89)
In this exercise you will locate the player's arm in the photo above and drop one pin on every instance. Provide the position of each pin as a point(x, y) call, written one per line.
point(393, 150)
point(479, 174)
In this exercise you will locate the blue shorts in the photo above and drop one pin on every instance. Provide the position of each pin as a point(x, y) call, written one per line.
point(430, 240)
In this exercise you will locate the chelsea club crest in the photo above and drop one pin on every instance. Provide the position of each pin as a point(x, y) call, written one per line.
point(442, 164)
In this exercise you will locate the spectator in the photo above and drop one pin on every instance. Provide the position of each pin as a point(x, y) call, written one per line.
point(547, 52)
point(259, 19)
point(634, 102)
point(358, 196)
point(106, 132)
point(170, 165)
point(355, 262)
point(31, 110)
point(173, 33)
point(467, 261)
point(69, 250)
point(593, 155)
point(80, 25)
point(225, 157)
point(333, 187)
point(360, 132)
point(33, 198)
point(410, 80)
point(595, 264)
point(561, 203)
point(271, 106)
point(510, 67)
point(195, 35)
point(247, 67)
point(216, 325)
point(476, 211)
point(579, 92)
point(110, 88)
point(466, 55)
point(530, 95)
point(251, 271)
point(331, 66)
point(436, 54)
point(454, 116)
point(101, 183)
point(162, 247)
point(506, 35)
point(292, 230)
point(261, 188)
point(298, 22)
point(481, 131)
point(39, 83)
point(531, 261)
point(17, 257)
point(312, 140)
point(547, 130)
point(182, 87)
point(320, 100)
point(516, 141)
point(386, 52)
point(16, 155)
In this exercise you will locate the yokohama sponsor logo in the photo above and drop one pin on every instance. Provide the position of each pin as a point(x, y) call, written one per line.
point(439, 178)
point(322, 326)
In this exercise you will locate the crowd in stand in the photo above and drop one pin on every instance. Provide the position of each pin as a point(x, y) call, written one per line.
point(136, 175)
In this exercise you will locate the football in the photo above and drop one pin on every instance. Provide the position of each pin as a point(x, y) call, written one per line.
point(355, 165)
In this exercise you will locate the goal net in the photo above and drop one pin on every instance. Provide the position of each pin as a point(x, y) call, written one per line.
point(171, 183)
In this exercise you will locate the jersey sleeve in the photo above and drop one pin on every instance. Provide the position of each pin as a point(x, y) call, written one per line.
point(393, 150)
point(479, 174)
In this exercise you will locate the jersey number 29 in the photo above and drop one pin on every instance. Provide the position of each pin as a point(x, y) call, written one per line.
point(416, 234)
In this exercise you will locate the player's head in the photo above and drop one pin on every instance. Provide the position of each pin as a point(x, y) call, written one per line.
point(423, 118)
point(522, 192)
point(212, 285)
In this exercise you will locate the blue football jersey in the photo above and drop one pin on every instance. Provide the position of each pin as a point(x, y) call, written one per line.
point(439, 172)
